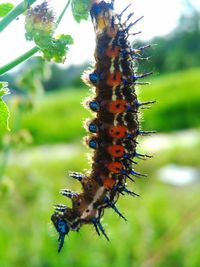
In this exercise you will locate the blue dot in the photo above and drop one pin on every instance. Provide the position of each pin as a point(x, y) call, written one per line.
point(96, 10)
point(94, 106)
point(93, 77)
point(92, 128)
point(93, 144)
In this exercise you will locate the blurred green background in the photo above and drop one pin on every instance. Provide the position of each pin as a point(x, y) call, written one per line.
point(163, 227)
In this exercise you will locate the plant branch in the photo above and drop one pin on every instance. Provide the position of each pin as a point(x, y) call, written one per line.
point(62, 13)
point(13, 14)
point(18, 60)
point(33, 50)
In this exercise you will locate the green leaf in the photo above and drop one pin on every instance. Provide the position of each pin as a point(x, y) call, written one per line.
point(4, 112)
point(80, 9)
point(55, 48)
point(67, 39)
point(5, 9)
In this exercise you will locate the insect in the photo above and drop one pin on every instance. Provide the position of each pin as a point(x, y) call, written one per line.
point(114, 130)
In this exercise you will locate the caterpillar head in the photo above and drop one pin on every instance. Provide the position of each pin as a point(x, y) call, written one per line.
point(61, 226)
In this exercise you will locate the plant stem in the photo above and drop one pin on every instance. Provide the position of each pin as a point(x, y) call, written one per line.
point(33, 50)
point(62, 13)
point(18, 60)
point(13, 14)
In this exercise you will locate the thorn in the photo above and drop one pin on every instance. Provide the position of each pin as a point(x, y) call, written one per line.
point(133, 23)
point(60, 207)
point(134, 162)
point(140, 58)
point(128, 18)
point(142, 75)
point(133, 139)
point(144, 47)
point(142, 83)
point(98, 226)
point(77, 175)
point(118, 212)
point(138, 104)
point(130, 192)
point(120, 15)
point(142, 156)
point(145, 133)
point(126, 190)
point(68, 193)
point(138, 174)
point(133, 34)
point(125, 174)
point(141, 49)
point(121, 192)
point(106, 200)
point(102, 230)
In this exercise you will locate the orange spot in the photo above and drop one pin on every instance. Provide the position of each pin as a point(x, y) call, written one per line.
point(116, 151)
point(109, 183)
point(114, 79)
point(114, 167)
point(117, 106)
point(118, 131)
point(112, 52)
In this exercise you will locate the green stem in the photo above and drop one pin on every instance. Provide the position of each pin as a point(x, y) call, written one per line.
point(18, 60)
point(33, 50)
point(62, 13)
point(13, 14)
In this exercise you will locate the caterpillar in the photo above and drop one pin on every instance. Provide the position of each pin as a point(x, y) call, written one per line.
point(114, 130)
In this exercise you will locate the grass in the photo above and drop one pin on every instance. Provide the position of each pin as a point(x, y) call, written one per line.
point(177, 105)
point(162, 228)
point(59, 115)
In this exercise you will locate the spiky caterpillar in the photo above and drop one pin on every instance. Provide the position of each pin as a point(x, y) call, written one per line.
point(114, 130)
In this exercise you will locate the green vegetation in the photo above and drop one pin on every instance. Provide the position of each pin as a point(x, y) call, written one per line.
point(178, 50)
point(163, 224)
point(58, 117)
point(162, 228)
point(177, 97)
